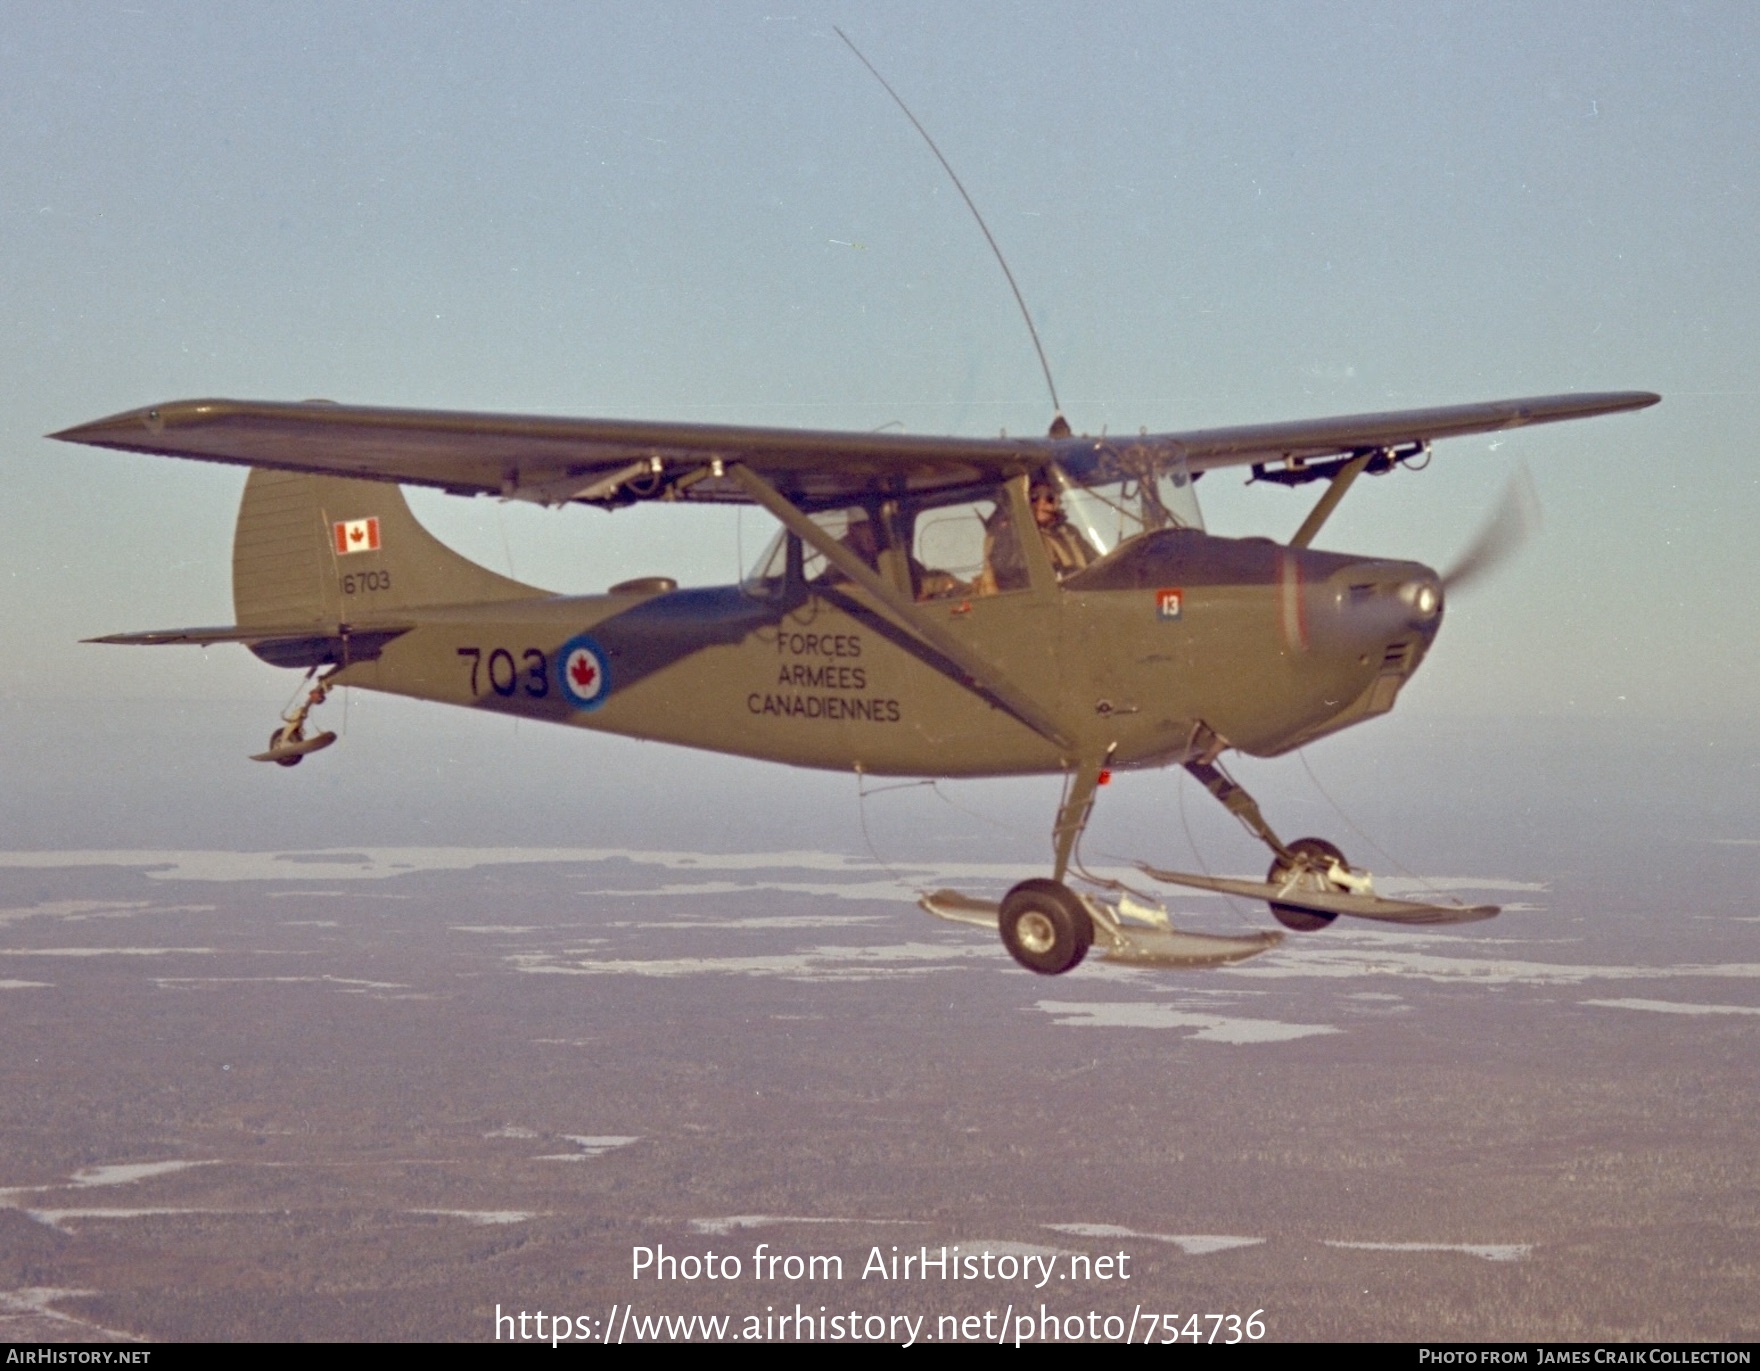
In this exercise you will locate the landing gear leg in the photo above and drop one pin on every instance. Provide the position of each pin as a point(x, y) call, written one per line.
point(288, 745)
point(1072, 815)
point(1310, 864)
point(1045, 926)
point(1237, 802)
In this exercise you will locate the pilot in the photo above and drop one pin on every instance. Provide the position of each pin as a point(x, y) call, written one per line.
point(1067, 550)
point(1064, 544)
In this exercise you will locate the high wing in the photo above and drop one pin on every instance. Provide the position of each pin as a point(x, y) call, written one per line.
point(612, 462)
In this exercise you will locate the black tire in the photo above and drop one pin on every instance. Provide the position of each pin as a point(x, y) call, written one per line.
point(1323, 854)
point(1045, 928)
point(286, 735)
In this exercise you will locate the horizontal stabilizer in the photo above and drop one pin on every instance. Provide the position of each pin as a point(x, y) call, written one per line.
point(1329, 902)
point(1120, 943)
point(233, 633)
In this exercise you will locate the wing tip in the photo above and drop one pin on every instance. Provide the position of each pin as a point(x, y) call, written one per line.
point(1625, 399)
point(136, 428)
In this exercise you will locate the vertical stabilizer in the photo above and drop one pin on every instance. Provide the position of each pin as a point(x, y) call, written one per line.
point(325, 550)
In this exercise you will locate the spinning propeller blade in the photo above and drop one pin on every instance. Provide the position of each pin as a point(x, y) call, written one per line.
point(1515, 519)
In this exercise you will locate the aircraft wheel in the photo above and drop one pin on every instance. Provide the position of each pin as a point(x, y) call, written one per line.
point(1045, 928)
point(286, 735)
point(1322, 855)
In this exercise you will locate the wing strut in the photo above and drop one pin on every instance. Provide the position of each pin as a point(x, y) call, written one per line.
point(981, 671)
point(1335, 491)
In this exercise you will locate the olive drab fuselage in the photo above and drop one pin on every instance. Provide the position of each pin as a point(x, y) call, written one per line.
point(1176, 639)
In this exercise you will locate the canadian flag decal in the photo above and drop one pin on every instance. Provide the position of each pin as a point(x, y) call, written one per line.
point(357, 535)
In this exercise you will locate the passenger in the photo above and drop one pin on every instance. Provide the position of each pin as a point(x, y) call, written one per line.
point(937, 585)
point(861, 538)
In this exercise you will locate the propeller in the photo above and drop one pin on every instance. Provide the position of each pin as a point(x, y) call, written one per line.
point(1515, 519)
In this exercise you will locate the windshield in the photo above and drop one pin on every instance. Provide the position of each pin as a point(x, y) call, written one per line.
point(765, 577)
point(1113, 504)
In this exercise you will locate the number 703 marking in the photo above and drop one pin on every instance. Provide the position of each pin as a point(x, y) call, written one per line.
point(507, 677)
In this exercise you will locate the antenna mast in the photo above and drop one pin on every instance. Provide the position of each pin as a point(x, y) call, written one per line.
point(1059, 425)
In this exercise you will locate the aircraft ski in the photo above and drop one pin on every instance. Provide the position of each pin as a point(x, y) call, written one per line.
point(288, 751)
point(1119, 940)
point(1327, 905)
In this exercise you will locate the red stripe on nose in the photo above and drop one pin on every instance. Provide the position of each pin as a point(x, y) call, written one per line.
point(1289, 602)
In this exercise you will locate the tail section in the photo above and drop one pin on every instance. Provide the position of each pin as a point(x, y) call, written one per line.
point(327, 550)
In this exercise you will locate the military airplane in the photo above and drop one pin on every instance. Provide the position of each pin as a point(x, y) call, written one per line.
point(937, 607)
point(931, 606)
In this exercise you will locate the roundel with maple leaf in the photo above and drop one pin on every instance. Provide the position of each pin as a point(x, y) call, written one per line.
point(580, 666)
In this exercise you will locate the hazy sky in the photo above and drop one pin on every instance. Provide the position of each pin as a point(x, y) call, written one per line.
point(1219, 214)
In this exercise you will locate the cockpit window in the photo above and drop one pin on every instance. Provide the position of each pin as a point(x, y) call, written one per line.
point(1082, 512)
point(953, 549)
point(767, 573)
point(854, 528)
point(1111, 504)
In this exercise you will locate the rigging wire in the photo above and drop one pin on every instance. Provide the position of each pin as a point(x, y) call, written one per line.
point(1014, 830)
point(862, 794)
point(1395, 862)
point(298, 692)
point(1191, 842)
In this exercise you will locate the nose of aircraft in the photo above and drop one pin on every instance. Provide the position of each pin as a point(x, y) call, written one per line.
point(1371, 609)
